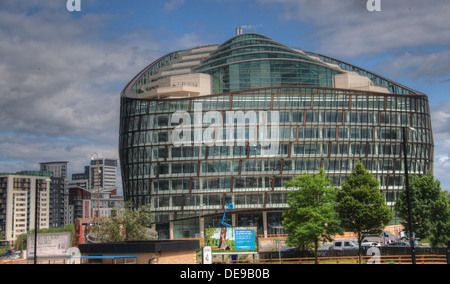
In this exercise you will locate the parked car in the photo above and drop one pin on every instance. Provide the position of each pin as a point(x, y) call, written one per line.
point(324, 248)
point(9, 253)
point(286, 252)
point(405, 237)
point(407, 244)
point(370, 244)
point(322, 251)
point(12, 255)
point(344, 245)
point(398, 244)
point(385, 236)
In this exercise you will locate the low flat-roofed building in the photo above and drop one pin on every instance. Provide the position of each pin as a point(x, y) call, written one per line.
point(145, 252)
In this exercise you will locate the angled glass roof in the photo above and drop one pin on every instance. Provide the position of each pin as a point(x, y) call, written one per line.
point(250, 61)
point(251, 46)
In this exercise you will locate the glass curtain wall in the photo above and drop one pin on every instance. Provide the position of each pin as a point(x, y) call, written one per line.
point(253, 76)
point(319, 128)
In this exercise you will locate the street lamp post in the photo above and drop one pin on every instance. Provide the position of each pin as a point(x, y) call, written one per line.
point(98, 189)
point(408, 194)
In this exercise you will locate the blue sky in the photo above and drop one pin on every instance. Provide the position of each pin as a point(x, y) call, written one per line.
point(61, 72)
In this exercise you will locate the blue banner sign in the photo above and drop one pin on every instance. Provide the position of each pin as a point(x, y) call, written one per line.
point(245, 239)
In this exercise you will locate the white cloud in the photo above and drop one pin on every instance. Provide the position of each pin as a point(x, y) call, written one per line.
point(441, 126)
point(418, 64)
point(60, 81)
point(172, 5)
point(56, 76)
point(441, 131)
point(60, 84)
point(347, 29)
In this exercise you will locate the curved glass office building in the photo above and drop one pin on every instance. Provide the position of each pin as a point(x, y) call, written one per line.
point(231, 123)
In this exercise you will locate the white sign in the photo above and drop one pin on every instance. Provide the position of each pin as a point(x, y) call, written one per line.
point(49, 245)
point(207, 255)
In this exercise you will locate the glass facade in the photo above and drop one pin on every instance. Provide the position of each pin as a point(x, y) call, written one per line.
point(254, 61)
point(319, 127)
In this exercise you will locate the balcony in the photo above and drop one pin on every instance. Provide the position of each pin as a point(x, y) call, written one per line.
point(182, 86)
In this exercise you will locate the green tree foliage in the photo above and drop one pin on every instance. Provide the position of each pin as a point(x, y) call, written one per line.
point(3, 249)
point(128, 225)
point(311, 217)
point(361, 206)
point(430, 210)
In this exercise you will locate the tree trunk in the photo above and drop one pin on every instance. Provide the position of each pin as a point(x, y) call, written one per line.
point(316, 248)
point(360, 247)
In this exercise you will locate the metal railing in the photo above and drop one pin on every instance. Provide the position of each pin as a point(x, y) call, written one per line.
point(388, 259)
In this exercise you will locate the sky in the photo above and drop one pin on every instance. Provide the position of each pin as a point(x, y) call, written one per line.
point(62, 72)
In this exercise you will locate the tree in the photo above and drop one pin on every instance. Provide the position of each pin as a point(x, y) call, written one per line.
point(311, 217)
point(440, 224)
point(430, 210)
point(128, 225)
point(361, 206)
point(3, 249)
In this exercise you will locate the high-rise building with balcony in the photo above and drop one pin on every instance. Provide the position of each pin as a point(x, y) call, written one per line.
point(19, 194)
point(102, 174)
point(194, 127)
point(58, 169)
point(59, 192)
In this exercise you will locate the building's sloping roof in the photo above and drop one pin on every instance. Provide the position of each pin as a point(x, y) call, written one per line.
point(249, 61)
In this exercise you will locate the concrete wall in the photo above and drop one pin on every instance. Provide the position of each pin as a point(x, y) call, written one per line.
point(357, 82)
